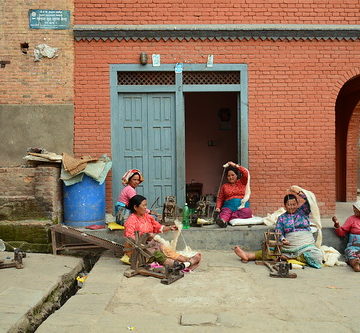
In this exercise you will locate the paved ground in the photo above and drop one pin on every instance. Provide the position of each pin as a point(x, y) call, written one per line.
point(223, 295)
point(24, 289)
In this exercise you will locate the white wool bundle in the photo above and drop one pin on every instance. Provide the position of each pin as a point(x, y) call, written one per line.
point(161, 240)
point(179, 225)
point(331, 256)
point(271, 219)
point(187, 251)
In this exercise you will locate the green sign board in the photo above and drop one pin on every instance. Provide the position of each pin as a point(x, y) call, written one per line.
point(49, 19)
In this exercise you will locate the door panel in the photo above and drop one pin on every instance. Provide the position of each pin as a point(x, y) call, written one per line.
point(132, 133)
point(146, 140)
point(161, 116)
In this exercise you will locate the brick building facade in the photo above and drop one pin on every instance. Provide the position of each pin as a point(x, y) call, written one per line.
point(295, 111)
point(303, 70)
point(36, 97)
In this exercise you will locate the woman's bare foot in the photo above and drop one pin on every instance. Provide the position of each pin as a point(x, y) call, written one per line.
point(355, 264)
point(241, 253)
point(195, 261)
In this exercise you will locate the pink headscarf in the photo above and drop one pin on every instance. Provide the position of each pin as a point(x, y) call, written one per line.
point(128, 174)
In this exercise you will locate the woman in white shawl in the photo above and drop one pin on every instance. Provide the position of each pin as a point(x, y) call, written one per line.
point(296, 235)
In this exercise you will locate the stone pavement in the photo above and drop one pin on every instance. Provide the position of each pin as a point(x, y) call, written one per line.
point(24, 291)
point(222, 295)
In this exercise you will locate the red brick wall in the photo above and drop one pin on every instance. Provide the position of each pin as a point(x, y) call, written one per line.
point(217, 12)
point(36, 98)
point(293, 86)
point(23, 81)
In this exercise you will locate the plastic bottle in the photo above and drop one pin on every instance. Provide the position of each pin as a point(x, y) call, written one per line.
point(186, 217)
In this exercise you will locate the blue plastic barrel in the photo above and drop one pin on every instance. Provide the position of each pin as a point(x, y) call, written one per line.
point(84, 203)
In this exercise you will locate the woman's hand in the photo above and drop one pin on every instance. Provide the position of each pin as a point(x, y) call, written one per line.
point(285, 242)
point(294, 190)
point(336, 222)
point(150, 237)
point(230, 164)
point(217, 210)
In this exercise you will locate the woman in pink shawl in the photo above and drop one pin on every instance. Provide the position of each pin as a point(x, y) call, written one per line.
point(131, 180)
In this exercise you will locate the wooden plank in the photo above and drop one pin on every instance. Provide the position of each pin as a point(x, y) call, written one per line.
point(59, 230)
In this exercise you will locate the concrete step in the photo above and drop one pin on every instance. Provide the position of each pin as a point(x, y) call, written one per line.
point(212, 237)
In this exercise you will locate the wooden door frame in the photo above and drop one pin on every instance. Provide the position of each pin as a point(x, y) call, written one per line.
point(179, 89)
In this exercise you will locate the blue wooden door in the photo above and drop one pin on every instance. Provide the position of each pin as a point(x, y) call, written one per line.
point(144, 130)
point(161, 143)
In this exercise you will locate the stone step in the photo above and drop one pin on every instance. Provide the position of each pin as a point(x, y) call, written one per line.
point(29, 235)
point(212, 237)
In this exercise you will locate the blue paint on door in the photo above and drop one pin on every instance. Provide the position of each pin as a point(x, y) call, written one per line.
point(144, 130)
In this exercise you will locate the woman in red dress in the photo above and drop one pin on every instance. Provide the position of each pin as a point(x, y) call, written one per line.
point(232, 194)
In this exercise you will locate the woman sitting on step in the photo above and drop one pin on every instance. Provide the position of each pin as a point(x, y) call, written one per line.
point(294, 227)
point(351, 227)
point(131, 180)
point(232, 199)
point(143, 222)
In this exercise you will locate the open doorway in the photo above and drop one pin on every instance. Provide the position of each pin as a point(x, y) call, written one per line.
point(211, 136)
point(347, 140)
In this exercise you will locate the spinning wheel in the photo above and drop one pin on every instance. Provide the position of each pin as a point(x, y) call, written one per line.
point(271, 248)
point(141, 257)
point(272, 245)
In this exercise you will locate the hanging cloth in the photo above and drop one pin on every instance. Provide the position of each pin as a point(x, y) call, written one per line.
point(315, 212)
point(247, 192)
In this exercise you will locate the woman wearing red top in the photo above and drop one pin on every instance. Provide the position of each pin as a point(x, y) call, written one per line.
point(351, 227)
point(142, 222)
point(231, 195)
